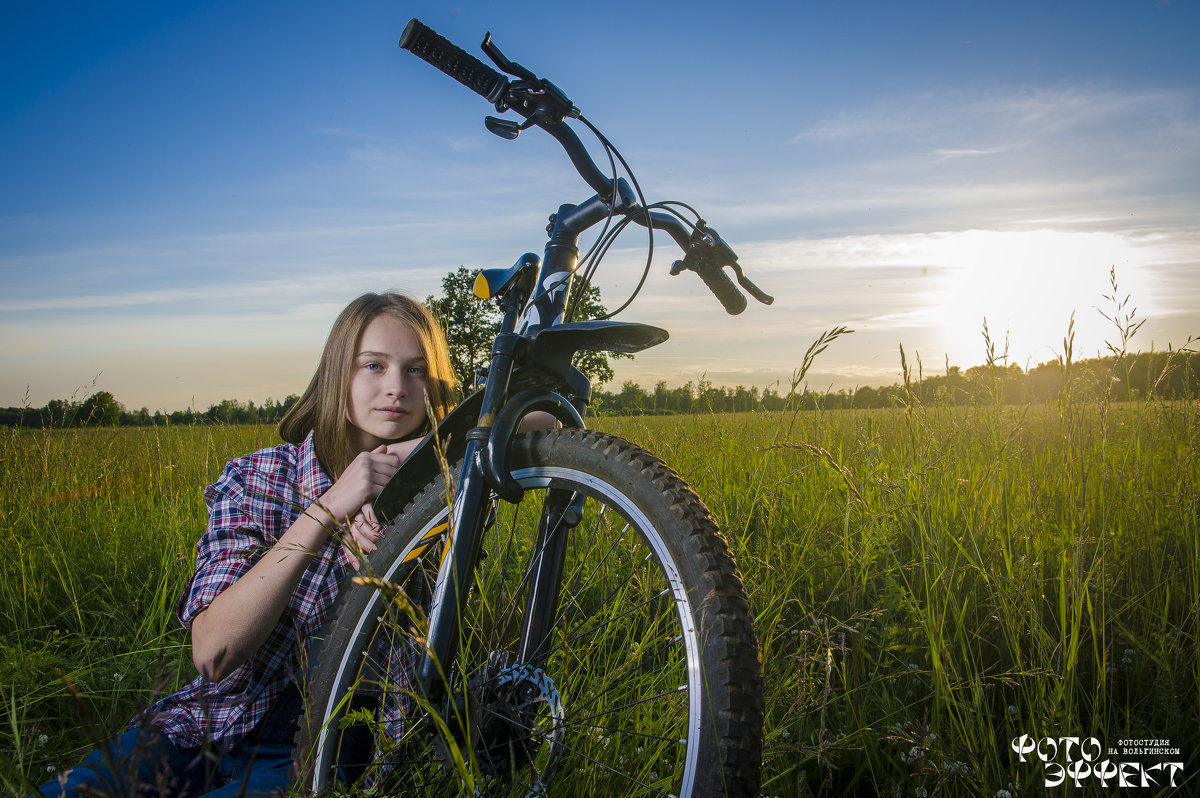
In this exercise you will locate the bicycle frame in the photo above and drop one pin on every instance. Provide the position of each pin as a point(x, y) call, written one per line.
point(530, 366)
point(529, 370)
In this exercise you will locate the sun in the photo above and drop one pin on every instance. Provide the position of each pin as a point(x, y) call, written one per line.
point(1027, 285)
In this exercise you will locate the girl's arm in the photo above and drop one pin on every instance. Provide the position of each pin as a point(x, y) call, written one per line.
point(238, 621)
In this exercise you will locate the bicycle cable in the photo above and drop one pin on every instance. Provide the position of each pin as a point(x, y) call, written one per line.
point(581, 286)
point(586, 277)
point(589, 262)
point(613, 151)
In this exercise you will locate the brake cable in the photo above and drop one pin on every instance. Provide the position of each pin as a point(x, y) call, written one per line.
point(613, 151)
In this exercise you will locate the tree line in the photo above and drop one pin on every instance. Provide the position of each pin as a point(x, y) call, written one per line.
point(1162, 375)
point(101, 409)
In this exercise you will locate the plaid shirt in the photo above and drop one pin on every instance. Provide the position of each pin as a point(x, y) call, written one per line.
point(257, 498)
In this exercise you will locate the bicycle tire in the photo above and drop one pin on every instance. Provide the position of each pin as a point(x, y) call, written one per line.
point(654, 684)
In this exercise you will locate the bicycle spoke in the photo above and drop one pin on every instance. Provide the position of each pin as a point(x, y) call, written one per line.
point(640, 701)
point(630, 732)
point(533, 732)
point(612, 620)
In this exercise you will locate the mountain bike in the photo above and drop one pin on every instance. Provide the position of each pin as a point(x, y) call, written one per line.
point(553, 612)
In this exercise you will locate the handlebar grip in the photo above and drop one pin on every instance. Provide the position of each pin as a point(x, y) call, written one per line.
point(425, 43)
point(723, 288)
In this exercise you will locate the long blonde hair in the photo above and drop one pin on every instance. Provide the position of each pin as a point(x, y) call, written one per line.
point(321, 409)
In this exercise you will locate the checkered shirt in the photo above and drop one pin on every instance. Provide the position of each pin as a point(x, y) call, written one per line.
point(257, 498)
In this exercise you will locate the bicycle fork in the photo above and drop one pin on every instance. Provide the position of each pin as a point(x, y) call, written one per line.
point(561, 511)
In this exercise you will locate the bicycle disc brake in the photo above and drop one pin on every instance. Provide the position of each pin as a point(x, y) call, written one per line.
point(517, 724)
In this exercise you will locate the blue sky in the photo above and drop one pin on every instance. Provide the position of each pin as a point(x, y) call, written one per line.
point(192, 190)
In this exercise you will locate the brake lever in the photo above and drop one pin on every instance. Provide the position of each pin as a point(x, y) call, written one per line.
point(535, 97)
point(750, 288)
point(708, 251)
point(500, 60)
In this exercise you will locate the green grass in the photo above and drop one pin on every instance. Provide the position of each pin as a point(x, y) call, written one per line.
point(928, 582)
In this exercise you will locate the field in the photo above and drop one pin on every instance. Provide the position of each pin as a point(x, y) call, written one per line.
point(930, 584)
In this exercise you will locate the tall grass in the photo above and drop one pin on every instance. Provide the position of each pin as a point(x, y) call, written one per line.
point(929, 582)
point(932, 582)
point(98, 536)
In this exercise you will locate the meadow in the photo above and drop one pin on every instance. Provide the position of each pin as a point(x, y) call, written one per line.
point(930, 584)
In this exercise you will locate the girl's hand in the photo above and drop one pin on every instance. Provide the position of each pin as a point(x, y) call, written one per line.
point(365, 529)
point(404, 448)
point(365, 532)
point(538, 419)
point(359, 484)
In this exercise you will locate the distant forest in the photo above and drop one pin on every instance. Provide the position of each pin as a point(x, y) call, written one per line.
point(1161, 375)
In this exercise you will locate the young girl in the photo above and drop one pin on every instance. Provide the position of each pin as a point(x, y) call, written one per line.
point(269, 566)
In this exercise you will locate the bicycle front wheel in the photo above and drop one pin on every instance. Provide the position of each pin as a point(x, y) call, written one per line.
point(648, 683)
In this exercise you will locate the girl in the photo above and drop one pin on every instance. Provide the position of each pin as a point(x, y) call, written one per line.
point(268, 567)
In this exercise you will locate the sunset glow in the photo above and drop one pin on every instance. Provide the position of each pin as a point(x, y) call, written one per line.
point(192, 190)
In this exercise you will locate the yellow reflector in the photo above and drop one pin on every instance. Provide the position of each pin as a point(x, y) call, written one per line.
point(481, 288)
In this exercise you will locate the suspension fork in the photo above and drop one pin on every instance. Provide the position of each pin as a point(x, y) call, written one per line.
point(561, 512)
point(562, 509)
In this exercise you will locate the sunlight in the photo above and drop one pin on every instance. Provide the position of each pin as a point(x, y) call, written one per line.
point(1027, 284)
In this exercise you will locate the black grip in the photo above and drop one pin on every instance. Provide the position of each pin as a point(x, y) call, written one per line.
point(723, 288)
point(425, 43)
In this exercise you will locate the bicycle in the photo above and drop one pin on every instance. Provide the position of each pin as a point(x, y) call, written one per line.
point(564, 614)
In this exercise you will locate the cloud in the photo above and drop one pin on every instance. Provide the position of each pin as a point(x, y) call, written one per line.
point(967, 153)
point(957, 159)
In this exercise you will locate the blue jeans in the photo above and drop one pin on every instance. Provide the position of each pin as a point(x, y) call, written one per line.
point(143, 763)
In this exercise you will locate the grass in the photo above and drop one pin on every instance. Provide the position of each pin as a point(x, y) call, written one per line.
point(929, 583)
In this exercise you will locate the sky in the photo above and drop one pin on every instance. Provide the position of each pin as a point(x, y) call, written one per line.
point(191, 191)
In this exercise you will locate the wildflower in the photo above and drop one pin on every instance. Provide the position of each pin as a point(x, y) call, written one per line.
point(118, 677)
point(1012, 711)
point(43, 739)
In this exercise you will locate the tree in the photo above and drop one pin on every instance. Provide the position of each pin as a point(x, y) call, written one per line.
point(662, 396)
point(100, 409)
point(471, 324)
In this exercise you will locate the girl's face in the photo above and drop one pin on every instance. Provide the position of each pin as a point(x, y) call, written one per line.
point(386, 398)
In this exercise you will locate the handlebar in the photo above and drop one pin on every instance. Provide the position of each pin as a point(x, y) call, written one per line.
point(425, 43)
point(542, 103)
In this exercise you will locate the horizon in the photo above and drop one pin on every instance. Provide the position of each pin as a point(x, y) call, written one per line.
point(612, 388)
point(195, 190)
